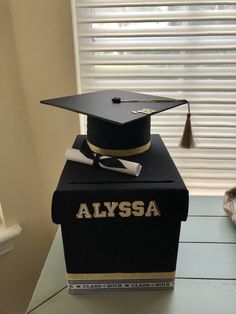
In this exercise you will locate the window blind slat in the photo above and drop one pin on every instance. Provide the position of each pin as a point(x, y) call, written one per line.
point(161, 16)
point(203, 153)
point(201, 132)
point(209, 185)
point(204, 110)
point(207, 174)
point(163, 85)
point(201, 164)
point(124, 3)
point(206, 121)
point(161, 59)
point(159, 44)
point(168, 72)
point(180, 31)
point(205, 143)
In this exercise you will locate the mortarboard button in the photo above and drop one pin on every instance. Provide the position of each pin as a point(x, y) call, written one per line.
point(118, 122)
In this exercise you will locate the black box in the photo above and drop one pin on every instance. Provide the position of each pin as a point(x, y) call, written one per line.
point(121, 232)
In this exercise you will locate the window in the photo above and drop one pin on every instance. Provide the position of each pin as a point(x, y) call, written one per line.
point(180, 49)
point(2, 220)
point(7, 234)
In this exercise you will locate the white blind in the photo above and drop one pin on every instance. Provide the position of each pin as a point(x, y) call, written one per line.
point(180, 49)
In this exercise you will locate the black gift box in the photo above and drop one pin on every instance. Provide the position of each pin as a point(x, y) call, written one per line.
point(121, 232)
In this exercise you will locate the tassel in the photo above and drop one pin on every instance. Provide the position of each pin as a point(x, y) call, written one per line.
point(187, 140)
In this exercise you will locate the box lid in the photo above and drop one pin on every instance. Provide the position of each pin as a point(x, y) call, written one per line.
point(159, 181)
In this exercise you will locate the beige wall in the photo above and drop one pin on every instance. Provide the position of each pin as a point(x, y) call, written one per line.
point(36, 63)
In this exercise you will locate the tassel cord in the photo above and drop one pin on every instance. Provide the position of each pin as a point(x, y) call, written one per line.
point(187, 140)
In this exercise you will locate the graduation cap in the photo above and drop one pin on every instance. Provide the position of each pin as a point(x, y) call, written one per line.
point(118, 122)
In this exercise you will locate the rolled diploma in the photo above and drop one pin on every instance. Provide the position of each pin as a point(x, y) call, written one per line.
point(131, 168)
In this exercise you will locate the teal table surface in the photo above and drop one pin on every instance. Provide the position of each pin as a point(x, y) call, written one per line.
point(205, 276)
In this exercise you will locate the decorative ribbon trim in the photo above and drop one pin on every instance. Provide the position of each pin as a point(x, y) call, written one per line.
point(108, 276)
point(119, 152)
point(99, 160)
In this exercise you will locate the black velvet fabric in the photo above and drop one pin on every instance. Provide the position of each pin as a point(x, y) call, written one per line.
point(110, 246)
point(159, 180)
point(121, 244)
point(127, 136)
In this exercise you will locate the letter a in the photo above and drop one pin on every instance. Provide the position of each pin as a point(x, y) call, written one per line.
point(83, 212)
point(152, 209)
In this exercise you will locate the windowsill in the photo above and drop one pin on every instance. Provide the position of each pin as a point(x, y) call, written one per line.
point(7, 236)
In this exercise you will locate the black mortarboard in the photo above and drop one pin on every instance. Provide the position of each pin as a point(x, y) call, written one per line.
point(118, 122)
